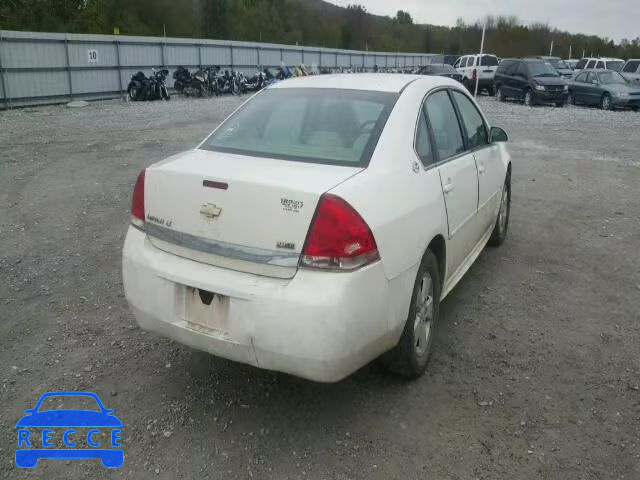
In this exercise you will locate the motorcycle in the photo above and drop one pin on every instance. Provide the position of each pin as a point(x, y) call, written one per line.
point(252, 84)
point(182, 77)
point(143, 88)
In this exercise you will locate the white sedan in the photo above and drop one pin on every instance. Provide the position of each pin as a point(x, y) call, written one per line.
point(320, 226)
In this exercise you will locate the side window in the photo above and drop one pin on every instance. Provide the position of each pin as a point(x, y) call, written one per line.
point(444, 124)
point(510, 68)
point(521, 70)
point(600, 65)
point(591, 77)
point(581, 64)
point(423, 142)
point(474, 126)
point(582, 78)
point(631, 66)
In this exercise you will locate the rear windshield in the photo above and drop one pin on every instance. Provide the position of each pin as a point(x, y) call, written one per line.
point(489, 61)
point(609, 77)
point(329, 126)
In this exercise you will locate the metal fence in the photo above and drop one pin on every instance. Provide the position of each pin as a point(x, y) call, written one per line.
point(57, 67)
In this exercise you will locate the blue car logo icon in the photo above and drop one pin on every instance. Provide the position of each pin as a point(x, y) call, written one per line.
point(34, 444)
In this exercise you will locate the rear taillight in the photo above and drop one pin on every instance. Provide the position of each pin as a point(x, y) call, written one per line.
point(474, 74)
point(137, 202)
point(338, 239)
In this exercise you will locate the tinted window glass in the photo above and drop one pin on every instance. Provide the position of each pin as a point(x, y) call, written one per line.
point(541, 69)
point(472, 120)
point(590, 64)
point(631, 66)
point(617, 66)
point(332, 126)
point(610, 77)
point(504, 66)
point(581, 77)
point(423, 143)
point(444, 124)
point(489, 61)
point(521, 70)
point(600, 65)
point(581, 64)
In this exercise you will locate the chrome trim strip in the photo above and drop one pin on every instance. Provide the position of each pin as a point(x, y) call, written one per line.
point(228, 250)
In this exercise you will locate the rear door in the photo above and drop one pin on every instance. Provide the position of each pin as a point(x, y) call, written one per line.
point(458, 176)
point(491, 169)
point(488, 66)
point(579, 87)
point(520, 80)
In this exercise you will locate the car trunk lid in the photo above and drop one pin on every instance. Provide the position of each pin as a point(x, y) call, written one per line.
point(244, 213)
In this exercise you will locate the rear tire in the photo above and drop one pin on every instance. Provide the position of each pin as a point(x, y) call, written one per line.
point(605, 102)
point(409, 358)
point(491, 91)
point(499, 234)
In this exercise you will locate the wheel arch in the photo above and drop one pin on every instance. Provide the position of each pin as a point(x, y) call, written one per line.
point(438, 246)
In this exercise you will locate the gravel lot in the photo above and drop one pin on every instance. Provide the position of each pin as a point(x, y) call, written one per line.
point(535, 373)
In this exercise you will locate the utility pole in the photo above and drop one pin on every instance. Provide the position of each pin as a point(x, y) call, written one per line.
point(484, 28)
point(551, 49)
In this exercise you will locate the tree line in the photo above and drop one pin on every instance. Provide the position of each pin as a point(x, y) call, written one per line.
point(303, 22)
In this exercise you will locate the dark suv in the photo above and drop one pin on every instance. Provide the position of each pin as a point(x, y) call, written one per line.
point(531, 80)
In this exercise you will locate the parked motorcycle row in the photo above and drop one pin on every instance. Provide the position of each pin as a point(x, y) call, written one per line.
point(210, 81)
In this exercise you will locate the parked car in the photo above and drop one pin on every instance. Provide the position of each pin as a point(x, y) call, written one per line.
point(440, 59)
point(606, 88)
point(532, 81)
point(443, 70)
point(631, 71)
point(482, 67)
point(563, 69)
point(599, 64)
point(320, 225)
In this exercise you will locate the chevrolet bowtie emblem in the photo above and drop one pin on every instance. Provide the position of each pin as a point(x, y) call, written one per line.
point(209, 210)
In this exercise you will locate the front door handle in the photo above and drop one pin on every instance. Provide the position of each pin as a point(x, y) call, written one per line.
point(448, 188)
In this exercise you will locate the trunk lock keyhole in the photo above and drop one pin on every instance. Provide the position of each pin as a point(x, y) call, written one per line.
point(206, 297)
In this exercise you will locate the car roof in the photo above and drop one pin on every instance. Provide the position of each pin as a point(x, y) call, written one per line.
point(377, 82)
point(604, 59)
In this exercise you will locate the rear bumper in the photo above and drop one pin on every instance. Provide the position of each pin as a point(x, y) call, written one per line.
point(318, 325)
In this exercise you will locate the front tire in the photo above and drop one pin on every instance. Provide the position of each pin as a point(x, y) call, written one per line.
point(501, 227)
point(605, 102)
point(571, 99)
point(528, 98)
point(411, 355)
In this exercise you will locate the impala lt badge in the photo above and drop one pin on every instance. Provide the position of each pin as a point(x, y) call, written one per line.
point(210, 210)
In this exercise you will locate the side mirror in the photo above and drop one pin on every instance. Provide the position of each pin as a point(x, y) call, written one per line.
point(498, 135)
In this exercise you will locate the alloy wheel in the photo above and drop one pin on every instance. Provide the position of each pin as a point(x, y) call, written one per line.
point(424, 315)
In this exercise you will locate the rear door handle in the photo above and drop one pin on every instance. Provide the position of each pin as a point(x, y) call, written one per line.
point(448, 188)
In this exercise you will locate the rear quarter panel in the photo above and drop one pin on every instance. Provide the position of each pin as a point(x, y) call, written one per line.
point(403, 205)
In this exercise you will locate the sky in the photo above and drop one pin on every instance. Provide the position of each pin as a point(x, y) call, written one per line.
point(615, 19)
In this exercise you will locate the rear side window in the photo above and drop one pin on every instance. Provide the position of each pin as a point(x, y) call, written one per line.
point(489, 61)
point(473, 122)
point(521, 70)
point(631, 66)
point(313, 125)
point(444, 125)
point(423, 143)
point(600, 65)
point(581, 64)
